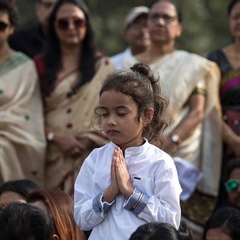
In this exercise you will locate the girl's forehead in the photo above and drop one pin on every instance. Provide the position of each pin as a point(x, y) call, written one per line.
point(115, 98)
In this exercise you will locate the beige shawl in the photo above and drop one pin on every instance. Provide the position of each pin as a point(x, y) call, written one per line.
point(73, 115)
point(179, 73)
point(22, 138)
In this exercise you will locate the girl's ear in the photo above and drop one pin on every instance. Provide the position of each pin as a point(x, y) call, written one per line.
point(148, 116)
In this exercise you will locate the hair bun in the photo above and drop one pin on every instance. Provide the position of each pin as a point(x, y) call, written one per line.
point(141, 68)
point(144, 70)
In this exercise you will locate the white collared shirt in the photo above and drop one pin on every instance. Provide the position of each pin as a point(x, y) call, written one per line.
point(120, 58)
point(154, 177)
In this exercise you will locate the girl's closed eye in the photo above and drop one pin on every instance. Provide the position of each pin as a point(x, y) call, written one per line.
point(121, 114)
point(102, 112)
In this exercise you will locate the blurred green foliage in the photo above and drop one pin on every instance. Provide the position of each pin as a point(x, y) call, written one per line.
point(205, 23)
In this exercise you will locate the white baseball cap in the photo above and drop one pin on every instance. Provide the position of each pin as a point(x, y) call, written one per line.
point(135, 13)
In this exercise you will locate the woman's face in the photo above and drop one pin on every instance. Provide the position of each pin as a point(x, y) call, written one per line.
point(9, 197)
point(217, 234)
point(70, 25)
point(5, 28)
point(163, 24)
point(234, 21)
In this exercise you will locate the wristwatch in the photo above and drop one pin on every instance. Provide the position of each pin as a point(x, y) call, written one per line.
point(175, 138)
point(50, 136)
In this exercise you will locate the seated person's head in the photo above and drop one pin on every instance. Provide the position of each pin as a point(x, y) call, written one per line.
point(22, 221)
point(59, 205)
point(16, 191)
point(155, 231)
point(232, 183)
point(223, 224)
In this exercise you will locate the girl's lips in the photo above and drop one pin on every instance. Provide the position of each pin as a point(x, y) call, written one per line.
point(111, 131)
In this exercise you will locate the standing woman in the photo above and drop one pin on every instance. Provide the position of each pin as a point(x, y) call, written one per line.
point(22, 138)
point(228, 60)
point(70, 75)
point(191, 84)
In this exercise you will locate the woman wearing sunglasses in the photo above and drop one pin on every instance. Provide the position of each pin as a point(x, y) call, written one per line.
point(230, 196)
point(22, 138)
point(70, 74)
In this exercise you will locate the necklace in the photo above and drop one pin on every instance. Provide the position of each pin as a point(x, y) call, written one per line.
point(6, 54)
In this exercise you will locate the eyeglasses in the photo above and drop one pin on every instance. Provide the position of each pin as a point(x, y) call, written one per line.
point(166, 18)
point(232, 185)
point(4, 26)
point(64, 23)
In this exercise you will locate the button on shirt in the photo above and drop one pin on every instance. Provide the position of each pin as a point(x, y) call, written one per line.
point(155, 198)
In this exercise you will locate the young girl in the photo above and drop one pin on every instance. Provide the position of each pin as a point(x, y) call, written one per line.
point(129, 181)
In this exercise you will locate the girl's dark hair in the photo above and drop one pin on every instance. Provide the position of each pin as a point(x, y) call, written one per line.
point(23, 187)
point(227, 219)
point(155, 231)
point(52, 54)
point(141, 85)
point(10, 8)
point(231, 4)
point(176, 5)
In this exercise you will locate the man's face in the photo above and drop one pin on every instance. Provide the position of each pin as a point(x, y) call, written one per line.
point(137, 35)
point(43, 9)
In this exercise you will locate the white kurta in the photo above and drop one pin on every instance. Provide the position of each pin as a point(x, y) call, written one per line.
point(152, 172)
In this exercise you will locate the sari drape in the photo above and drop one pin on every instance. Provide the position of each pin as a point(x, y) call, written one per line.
point(73, 115)
point(180, 72)
point(22, 137)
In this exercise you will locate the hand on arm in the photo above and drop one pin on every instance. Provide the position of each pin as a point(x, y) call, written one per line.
point(189, 123)
point(67, 142)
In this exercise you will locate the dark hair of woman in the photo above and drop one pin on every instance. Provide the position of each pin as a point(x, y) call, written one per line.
point(144, 88)
point(232, 164)
point(52, 55)
point(22, 187)
point(227, 219)
point(10, 8)
point(177, 6)
point(155, 231)
point(231, 4)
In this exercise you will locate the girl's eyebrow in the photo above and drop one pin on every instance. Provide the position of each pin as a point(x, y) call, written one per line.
point(118, 107)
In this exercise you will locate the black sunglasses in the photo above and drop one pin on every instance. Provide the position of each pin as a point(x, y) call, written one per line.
point(4, 26)
point(64, 23)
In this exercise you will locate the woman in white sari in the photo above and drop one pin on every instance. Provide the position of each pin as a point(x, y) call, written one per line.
point(22, 137)
point(191, 83)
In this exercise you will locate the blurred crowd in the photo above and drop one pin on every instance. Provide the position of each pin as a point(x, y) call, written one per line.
point(144, 144)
